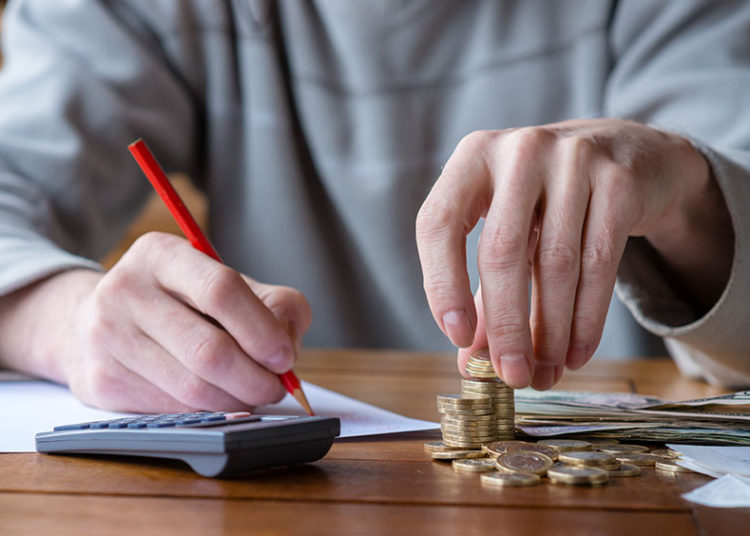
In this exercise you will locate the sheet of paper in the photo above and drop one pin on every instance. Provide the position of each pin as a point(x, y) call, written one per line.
point(729, 491)
point(36, 406)
point(716, 460)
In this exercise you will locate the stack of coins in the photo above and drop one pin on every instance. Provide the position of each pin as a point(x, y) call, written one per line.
point(466, 421)
point(484, 381)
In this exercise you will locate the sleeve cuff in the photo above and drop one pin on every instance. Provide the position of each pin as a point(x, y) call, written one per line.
point(713, 346)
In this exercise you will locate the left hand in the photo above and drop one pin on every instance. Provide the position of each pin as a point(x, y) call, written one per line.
point(559, 203)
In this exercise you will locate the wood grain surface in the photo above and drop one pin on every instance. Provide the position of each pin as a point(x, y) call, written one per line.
point(385, 485)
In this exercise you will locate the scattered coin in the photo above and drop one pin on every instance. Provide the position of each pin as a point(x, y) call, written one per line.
point(550, 452)
point(577, 475)
point(510, 479)
point(637, 458)
point(614, 466)
point(566, 445)
point(462, 454)
point(524, 462)
point(626, 469)
point(673, 453)
point(499, 447)
point(469, 444)
point(477, 465)
point(671, 467)
point(586, 457)
point(436, 446)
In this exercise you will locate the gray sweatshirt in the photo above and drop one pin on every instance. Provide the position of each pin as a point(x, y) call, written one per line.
point(317, 128)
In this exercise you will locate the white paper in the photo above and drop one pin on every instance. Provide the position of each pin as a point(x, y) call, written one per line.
point(715, 460)
point(29, 407)
point(729, 491)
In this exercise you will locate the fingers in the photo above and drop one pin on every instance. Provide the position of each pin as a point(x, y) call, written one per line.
point(222, 294)
point(289, 306)
point(503, 257)
point(480, 337)
point(450, 211)
point(196, 362)
point(557, 263)
point(107, 384)
point(604, 237)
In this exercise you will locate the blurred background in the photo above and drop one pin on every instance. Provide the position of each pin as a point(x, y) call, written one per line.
point(155, 216)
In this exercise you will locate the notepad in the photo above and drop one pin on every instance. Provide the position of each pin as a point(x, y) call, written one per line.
point(35, 406)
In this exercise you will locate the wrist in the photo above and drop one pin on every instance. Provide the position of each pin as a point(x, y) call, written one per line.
point(694, 237)
point(39, 324)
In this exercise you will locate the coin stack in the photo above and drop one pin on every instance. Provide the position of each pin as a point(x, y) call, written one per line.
point(484, 381)
point(467, 421)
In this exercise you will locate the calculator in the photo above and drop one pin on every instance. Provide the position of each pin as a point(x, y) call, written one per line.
point(212, 443)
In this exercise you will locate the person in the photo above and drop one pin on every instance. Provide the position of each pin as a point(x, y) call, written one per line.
point(576, 144)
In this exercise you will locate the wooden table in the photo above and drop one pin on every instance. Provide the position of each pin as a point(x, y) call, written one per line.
point(375, 486)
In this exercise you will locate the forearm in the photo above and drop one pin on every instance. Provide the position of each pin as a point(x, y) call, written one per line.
point(38, 330)
point(696, 239)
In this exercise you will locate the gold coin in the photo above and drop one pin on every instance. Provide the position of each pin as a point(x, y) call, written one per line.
point(622, 449)
point(436, 446)
point(577, 475)
point(457, 428)
point(478, 374)
point(550, 452)
point(485, 404)
point(499, 447)
point(671, 467)
point(510, 479)
point(586, 457)
point(566, 445)
point(475, 465)
point(673, 453)
point(460, 454)
point(464, 444)
point(626, 469)
point(524, 462)
point(462, 400)
point(614, 466)
point(637, 458)
point(452, 439)
point(466, 412)
point(470, 418)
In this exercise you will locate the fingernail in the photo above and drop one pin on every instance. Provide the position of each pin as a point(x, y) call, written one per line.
point(458, 327)
point(516, 370)
point(544, 376)
point(281, 360)
point(578, 354)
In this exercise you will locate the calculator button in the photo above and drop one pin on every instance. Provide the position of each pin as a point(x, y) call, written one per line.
point(118, 424)
point(160, 424)
point(209, 418)
point(99, 425)
point(187, 421)
point(137, 425)
point(80, 426)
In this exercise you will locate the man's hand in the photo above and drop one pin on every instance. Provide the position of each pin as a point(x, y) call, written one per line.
point(559, 203)
point(166, 329)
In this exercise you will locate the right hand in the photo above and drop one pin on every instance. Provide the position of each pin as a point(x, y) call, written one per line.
point(169, 329)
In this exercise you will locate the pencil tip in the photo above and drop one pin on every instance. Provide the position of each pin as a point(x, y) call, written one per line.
point(302, 399)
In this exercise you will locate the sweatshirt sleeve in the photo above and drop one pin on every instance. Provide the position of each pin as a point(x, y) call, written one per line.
point(685, 67)
point(80, 81)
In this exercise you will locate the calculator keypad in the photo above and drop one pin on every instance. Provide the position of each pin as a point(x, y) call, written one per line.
point(156, 421)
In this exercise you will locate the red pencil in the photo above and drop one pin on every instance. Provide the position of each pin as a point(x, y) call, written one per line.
point(171, 198)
